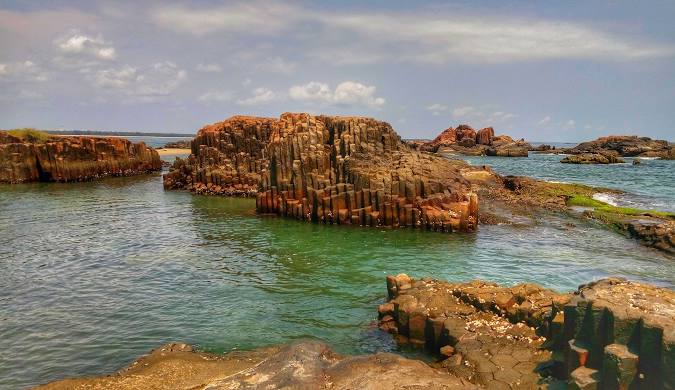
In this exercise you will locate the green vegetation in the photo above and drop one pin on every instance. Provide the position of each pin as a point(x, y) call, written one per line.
point(604, 208)
point(30, 135)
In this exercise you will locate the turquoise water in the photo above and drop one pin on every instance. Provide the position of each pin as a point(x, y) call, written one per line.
point(650, 185)
point(92, 275)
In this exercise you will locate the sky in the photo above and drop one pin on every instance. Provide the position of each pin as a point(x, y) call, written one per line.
point(547, 71)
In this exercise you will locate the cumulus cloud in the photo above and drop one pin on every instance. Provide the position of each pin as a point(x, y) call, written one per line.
point(260, 96)
point(420, 36)
point(209, 68)
point(437, 109)
point(144, 85)
point(348, 93)
point(216, 96)
point(77, 43)
point(25, 71)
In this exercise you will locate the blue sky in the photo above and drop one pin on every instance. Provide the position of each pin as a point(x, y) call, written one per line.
point(546, 71)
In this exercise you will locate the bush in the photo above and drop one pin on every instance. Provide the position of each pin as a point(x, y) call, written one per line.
point(30, 135)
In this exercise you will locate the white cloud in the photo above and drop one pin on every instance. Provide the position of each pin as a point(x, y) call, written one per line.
point(427, 36)
point(437, 109)
point(544, 121)
point(482, 116)
point(26, 71)
point(570, 124)
point(242, 17)
point(77, 43)
point(145, 85)
point(464, 111)
point(348, 93)
point(246, 82)
point(209, 68)
point(216, 96)
point(260, 96)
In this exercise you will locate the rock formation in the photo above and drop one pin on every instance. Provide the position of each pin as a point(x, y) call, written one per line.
point(301, 365)
point(627, 146)
point(610, 334)
point(467, 141)
point(73, 158)
point(339, 170)
point(593, 158)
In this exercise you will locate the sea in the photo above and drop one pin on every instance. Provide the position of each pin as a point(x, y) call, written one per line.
point(93, 275)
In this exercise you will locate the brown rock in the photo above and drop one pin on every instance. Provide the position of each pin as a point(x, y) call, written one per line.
point(484, 136)
point(301, 365)
point(73, 158)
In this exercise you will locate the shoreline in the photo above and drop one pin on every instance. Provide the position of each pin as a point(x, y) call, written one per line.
point(170, 151)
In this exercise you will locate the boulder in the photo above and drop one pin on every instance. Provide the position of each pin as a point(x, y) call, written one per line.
point(484, 136)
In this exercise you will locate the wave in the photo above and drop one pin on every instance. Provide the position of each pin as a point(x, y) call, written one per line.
point(606, 198)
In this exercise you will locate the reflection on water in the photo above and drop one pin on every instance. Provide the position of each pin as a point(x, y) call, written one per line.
point(95, 274)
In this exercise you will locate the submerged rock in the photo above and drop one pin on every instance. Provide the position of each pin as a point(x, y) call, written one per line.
point(301, 365)
point(338, 170)
point(73, 158)
point(610, 334)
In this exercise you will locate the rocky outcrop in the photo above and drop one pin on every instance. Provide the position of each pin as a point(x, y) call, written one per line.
point(227, 158)
point(505, 146)
point(467, 141)
point(627, 146)
point(609, 334)
point(182, 144)
point(593, 158)
point(338, 170)
point(73, 158)
point(301, 365)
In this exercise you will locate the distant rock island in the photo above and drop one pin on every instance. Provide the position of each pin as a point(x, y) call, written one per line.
point(28, 155)
point(466, 141)
point(609, 150)
point(337, 170)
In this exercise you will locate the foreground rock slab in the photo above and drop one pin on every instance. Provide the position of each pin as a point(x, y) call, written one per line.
point(332, 170)
point(73, 158)
point(610, 334)
point(301, 365)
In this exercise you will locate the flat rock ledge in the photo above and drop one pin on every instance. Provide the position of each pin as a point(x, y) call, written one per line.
point(301, 365)
point(73, 158)
point(609, 334)
point(327, 169)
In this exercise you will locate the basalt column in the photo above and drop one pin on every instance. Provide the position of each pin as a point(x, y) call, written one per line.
point(354, 170)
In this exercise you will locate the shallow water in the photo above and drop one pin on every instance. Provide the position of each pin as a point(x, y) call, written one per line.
point(92, 275)
point(649, 185)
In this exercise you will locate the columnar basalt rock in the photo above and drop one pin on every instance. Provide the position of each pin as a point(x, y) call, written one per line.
point(610, 334)
point(73, 158)
point(227, 158)
point(337, 170)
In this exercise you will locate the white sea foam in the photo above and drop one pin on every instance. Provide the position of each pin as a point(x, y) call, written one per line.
point(605, 197)
point(648, 158)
